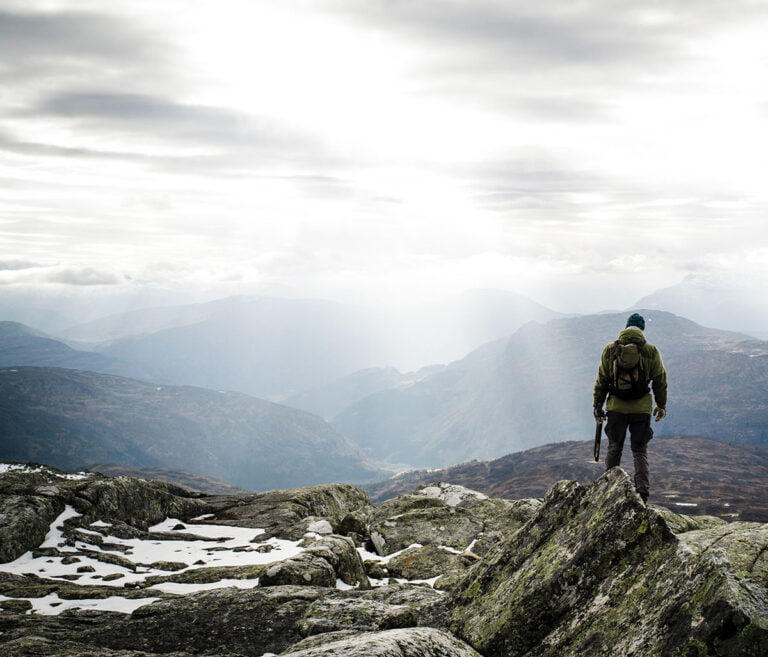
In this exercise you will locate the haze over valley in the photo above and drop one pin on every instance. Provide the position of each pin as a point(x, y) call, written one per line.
point(530, 385)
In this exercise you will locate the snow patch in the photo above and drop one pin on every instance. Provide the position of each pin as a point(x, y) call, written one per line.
point(431, 581)
point(364, 554)
point(30, 469)
point(53, 605)
point(451, 494)
point(180, 588)
point(74, 476)
point(227, 546)
point(55, 537)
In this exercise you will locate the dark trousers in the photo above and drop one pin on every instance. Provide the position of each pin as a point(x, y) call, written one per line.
point(640, 433)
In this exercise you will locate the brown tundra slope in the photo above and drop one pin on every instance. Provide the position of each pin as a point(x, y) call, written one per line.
point(689, 474)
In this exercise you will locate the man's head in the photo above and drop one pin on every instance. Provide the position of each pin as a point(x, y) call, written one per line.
point(636, 320)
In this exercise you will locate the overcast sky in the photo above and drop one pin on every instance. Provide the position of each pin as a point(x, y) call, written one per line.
point(582, 152)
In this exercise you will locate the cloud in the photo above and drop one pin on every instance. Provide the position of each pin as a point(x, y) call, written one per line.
point(85, 276)
point(162, 117)
point(31, 148)
point(52, 43)
point(548, 61)
point(15, 273)
point(16, 265)
point(230, 139)
point(485, 37)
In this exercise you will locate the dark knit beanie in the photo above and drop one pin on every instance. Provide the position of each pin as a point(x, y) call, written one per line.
point(636, 320)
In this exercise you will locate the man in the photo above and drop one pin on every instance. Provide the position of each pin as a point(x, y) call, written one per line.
point(626, 368)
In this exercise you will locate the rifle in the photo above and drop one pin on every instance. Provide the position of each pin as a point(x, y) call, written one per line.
point(598, 436)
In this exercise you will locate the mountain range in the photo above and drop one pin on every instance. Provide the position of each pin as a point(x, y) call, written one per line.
point(727, 304)
point(529, 388)
point(72, 419)
point(278, 348)
point(536, 387)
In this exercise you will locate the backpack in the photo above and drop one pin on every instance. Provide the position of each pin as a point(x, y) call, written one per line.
point(628, 381)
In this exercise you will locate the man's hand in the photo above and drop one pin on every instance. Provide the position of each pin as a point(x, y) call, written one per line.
point(597, 411)
point(659, 413)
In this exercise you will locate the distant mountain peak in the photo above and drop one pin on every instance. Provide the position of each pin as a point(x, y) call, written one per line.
point(9, 329)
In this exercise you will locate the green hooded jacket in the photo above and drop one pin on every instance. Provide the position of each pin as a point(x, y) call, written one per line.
point(650, 363)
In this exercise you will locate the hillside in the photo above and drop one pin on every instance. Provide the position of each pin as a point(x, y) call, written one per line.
point(690, 474)
point(24, 345)
point(331, 399)
point(188, 480)
point(71, 419)
point(536, 387)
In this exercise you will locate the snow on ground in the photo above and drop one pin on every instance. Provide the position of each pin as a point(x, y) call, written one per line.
point(52, 605)
point(219, 546)
point(365, 555)
point(184, 589)
point(54, 535)
point(451, 494)
point(228, 546)
point(30, 469)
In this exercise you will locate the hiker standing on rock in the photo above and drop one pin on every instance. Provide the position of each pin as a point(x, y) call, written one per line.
point(626, 368)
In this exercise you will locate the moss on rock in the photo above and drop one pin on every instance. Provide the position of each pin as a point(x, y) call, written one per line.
point(595, 572)
point(424, 563)
point(414, 642)
point(279, 511)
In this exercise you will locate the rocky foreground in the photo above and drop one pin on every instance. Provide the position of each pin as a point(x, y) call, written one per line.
point(319, 571)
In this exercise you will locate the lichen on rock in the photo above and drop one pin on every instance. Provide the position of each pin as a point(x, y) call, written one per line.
point(30, 501)
point(326, 560)
point(284, 513)
point(425, 563)
point(595, 572)
point(414, 642)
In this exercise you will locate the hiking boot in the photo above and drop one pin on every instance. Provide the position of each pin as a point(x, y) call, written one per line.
point(644, 497)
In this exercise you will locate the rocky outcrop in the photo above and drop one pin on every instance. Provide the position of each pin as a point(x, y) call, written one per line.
point(41, 647)
point(426, 562)
point(24, 522)
point(31, 499)
point(587, 571)
point(243, 622)
point(435, 526)
point(446, 515)
point(251, 622)
point(742, 547)
point(135, 502)
point(595, 572)
point(451, 494)
point(354, 614)
point(289, 513)
point(321, 564)
point(430, 607)
point(421, 642)
point(680, 523)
